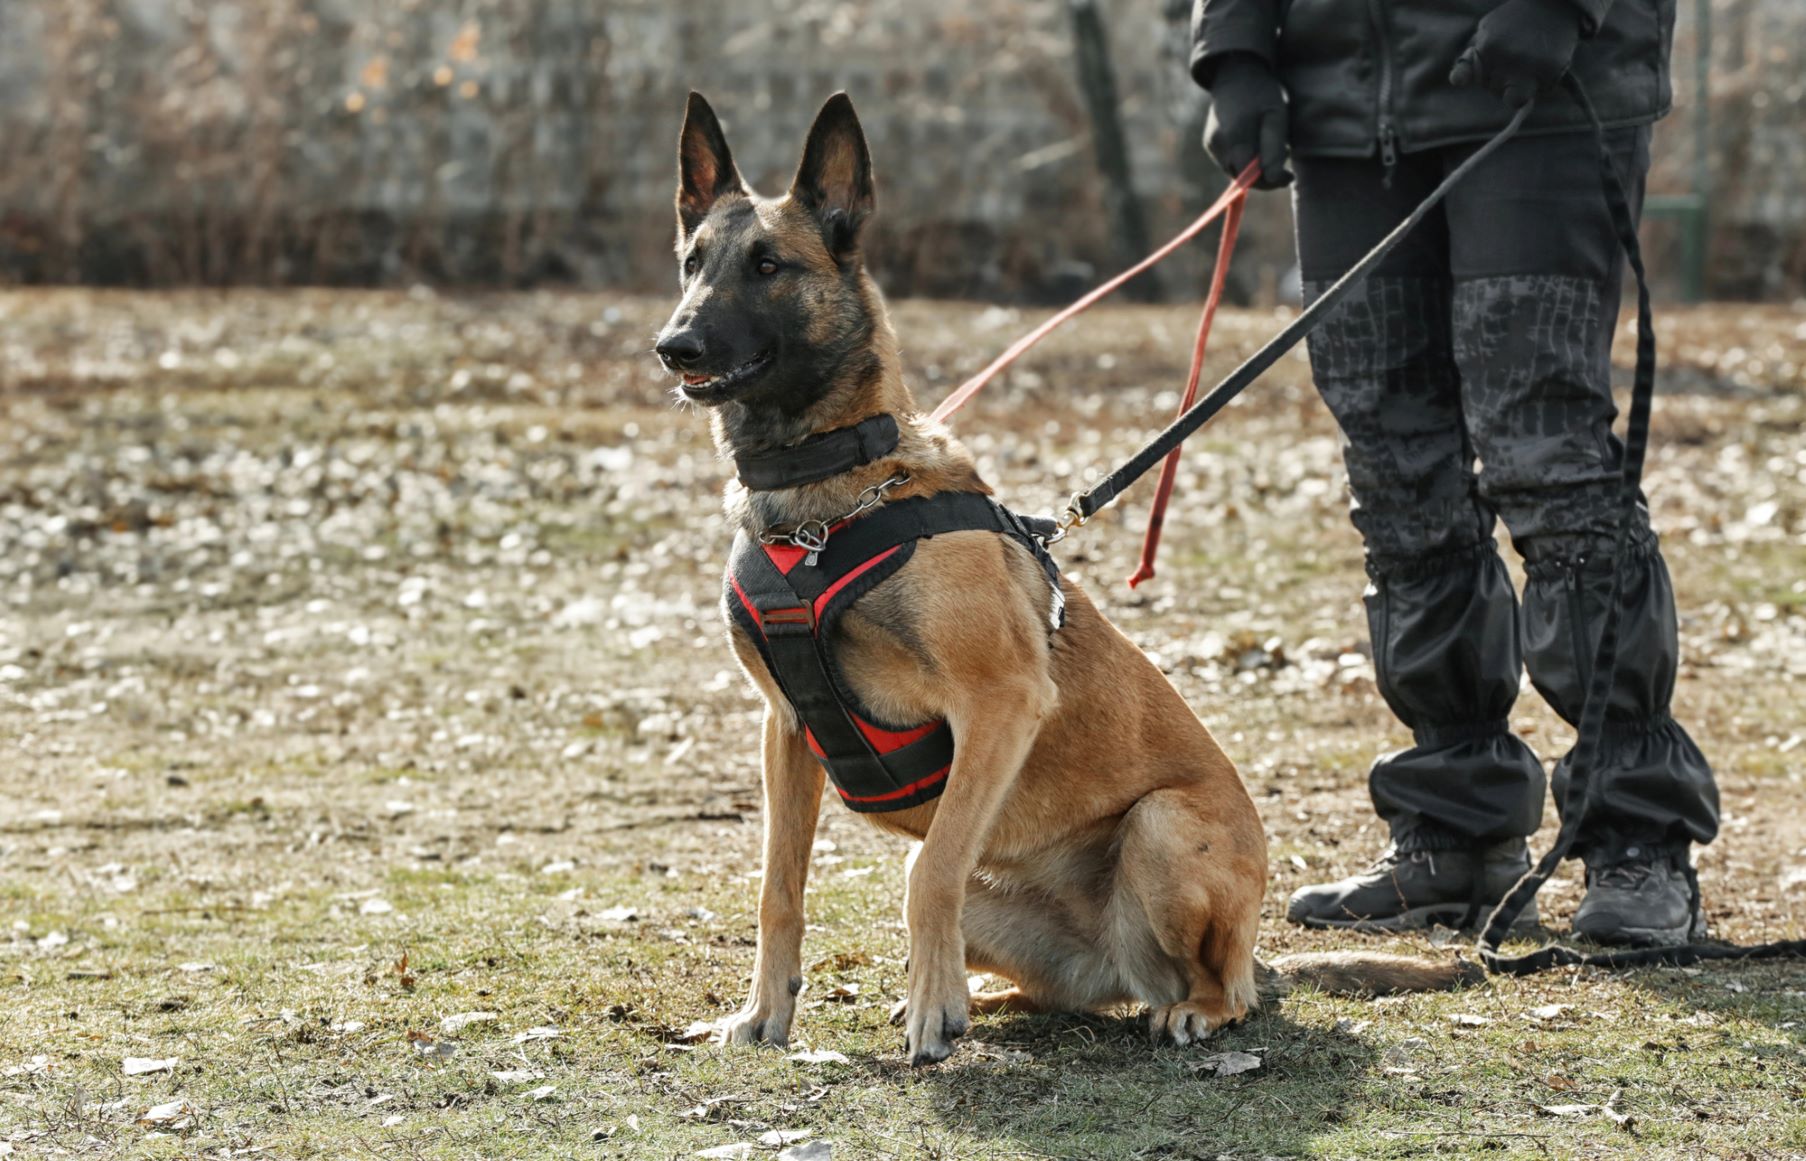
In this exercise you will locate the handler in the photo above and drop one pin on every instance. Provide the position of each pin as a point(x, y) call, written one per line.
point(1487, 333)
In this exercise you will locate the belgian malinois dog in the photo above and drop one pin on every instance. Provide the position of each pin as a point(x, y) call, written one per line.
point(1093, 844)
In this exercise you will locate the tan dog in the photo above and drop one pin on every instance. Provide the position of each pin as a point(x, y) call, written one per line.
point(1092, 844)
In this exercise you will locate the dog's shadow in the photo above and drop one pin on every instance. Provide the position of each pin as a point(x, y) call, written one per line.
point(1098, 1087)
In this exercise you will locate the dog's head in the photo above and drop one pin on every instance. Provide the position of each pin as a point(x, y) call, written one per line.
point(776, 310)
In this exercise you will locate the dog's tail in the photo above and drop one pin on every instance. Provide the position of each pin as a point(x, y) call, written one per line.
point(1364, 973)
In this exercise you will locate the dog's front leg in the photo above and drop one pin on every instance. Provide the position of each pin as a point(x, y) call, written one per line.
point(793, 785)
point(992, 745)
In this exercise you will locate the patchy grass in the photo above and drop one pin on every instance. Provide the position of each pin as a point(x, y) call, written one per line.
point(371, 676)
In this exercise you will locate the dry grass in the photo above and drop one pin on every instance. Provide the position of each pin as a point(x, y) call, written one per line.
point(359, 667)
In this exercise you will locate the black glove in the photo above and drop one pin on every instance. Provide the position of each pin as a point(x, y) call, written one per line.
point(1520, 48)
point(1248, 119)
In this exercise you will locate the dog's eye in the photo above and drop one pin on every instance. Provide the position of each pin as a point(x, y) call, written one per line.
point(690, 264)
point(768, 266)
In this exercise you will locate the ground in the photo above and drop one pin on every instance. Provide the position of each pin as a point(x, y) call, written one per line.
point(374, 776)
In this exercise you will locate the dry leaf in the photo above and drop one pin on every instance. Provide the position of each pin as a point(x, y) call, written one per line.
point(813, 1151)
point(518, 1075)
point(707, 1109)
point(140, 1065)
point(454, 1024)
point(841, 961)
point(176, 1114)
point(433, 1050)
point(1230, 1063)
point(817, 1056)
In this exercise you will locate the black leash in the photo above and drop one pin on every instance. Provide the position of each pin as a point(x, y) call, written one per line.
point(1089, 502)
point(1579, 800)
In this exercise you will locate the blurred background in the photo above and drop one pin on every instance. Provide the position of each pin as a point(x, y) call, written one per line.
point(513, 143)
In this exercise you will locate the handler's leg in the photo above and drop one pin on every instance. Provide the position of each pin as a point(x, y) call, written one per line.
point(1537, 271)
point(1441, 611)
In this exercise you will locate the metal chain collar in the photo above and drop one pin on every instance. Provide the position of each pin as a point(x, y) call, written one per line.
point(812, 535)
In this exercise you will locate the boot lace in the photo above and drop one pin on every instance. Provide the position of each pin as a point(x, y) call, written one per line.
point(1629, 872)
point(1390, 859)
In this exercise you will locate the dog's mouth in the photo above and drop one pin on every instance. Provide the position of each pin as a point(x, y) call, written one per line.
point(716, 386)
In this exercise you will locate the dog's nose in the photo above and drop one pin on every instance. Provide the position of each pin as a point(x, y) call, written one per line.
point(679, 350)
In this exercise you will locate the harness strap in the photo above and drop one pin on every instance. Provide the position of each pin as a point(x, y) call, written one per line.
point(787, 621)
point(920, 517)
point(790, 606)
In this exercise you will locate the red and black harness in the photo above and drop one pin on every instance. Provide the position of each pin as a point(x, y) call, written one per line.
point(789, 598)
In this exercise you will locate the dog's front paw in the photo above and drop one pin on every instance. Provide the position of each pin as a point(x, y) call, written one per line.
point(755, 1024)
point(1184, 1022)
point(933, 1024)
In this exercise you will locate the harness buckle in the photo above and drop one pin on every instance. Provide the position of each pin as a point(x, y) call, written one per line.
point(790, 617)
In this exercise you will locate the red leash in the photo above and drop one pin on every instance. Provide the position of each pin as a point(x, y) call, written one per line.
point(1231, 203)
point(1150, 541)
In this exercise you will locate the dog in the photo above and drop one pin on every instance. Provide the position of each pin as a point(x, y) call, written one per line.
point(1088, 840)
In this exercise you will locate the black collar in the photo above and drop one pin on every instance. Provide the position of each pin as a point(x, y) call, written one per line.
point(822, 455)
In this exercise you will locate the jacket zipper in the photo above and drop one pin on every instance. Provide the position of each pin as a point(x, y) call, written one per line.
point(1388, 133)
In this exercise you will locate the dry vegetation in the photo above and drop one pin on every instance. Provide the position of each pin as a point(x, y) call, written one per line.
point(372, 774)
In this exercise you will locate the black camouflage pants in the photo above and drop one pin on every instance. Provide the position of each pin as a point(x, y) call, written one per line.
point(1471, 377)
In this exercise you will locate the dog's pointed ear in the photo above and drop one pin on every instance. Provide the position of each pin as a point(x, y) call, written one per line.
point(834, 180)
point(705, 167)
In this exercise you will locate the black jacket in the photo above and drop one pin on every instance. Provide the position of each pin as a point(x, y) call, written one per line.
point(1360, 73)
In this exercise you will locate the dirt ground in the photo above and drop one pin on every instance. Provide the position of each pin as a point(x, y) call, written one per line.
point(374, 780)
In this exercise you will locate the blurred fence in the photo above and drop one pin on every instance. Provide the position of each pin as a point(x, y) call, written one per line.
point(510, 142)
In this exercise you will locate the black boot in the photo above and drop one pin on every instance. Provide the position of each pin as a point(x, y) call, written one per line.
point(1406, 890)
point(1640, 896)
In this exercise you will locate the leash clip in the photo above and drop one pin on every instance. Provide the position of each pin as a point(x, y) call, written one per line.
point(1072, 518)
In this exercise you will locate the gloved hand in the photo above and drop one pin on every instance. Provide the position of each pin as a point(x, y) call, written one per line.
point(1520, 48)
point(1248, 119)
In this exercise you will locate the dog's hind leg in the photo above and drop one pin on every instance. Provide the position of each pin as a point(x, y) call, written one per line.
point(1185, 908)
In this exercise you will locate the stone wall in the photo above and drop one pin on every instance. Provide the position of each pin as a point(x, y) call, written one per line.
point(509, 142)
